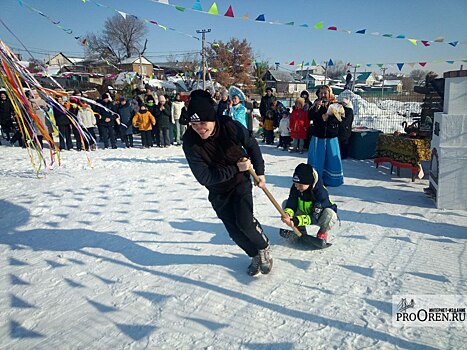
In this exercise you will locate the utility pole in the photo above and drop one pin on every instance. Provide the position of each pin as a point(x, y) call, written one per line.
point(141, 62)
point(325, 72)
point(203, 53)
point(354, 77)
point(382, 85)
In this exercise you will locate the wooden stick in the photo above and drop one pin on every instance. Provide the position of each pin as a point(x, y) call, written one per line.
point(273, 200)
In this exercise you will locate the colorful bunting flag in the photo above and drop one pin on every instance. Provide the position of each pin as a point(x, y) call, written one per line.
point(318, 25)
point(229, 12)
point(246, 17)
point(330, 63)
point(450, 62)
point(304, 25)
point(400, 36)
point(423, 64)
point(122, 13)
point(313, 63)
point(362, 31)
point(290, 23)
point(425, 42)
point(400, 65)
point(165, 2)
point(292, 63)
point(180, 8)
point(453, 43)
point(197, 6)
point(413, 41)
point(260, 18)
point(213, 10)
point(387, 35)
point(307, 64)
point(332, 28)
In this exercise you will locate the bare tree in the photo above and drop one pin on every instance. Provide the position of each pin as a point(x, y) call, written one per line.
point(232, 61)
point(418, 75)
point(338, 70)
point(121, 38)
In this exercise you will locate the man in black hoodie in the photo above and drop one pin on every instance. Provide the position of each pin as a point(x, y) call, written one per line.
point(220, 152)
point(6, 115)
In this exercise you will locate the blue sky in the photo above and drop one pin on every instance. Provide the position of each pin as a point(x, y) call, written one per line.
point(423, 20)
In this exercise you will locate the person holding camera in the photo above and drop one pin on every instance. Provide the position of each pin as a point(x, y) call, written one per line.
point(323, 152)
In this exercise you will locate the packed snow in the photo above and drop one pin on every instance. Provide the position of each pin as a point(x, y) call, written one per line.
point(386, 115)
point(128, 254)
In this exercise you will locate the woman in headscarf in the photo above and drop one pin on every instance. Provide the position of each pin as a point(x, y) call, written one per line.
point(323, 152)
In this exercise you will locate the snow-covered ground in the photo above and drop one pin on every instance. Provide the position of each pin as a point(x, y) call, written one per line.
point(129, 255)
point(386, 115)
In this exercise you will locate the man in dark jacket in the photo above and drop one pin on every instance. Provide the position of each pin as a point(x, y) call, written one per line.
point(106, 120)
point(126, 113)
point(163, 116)
point(6, 115)
point(265, 105)
point(217, 151)
point(64, 125)
point(309, 204)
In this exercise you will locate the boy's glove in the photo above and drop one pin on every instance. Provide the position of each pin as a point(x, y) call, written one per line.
point(316, 212)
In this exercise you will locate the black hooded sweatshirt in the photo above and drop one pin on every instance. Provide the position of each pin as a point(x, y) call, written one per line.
point(213, 161)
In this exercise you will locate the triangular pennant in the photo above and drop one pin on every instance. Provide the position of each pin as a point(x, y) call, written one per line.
point(453, 43)
point(423, 64)
point(362, 31)
point(292, 63)
point(368, 64)
point(122, 13)
point(20, 2)
point(413, 41)
point(229, 12)
point(197, 6)
point(290, 23)
point(246, 16)
point(260, 18)
point(165, 2)
point(163, 27)
point(380, 65)
point(425, 42)
point(154, 22)
point(387, 35)
point(400, 36)
point(307, 64)
point(450, 62)
point(215, 44)
point(213, 10)
point(313, 63)
point(400, 65)
point(375, 33)
point(439, 39)
point(318, 25)
point(411, 64)
point(304, 25)
point(180, 8)
point(330, 63)
point(84, 41)
point(332, 28)
point(299, 65)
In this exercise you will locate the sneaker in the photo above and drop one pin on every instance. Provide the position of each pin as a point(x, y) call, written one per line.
point(323, 238)
point(265, 259)
point(254, 269)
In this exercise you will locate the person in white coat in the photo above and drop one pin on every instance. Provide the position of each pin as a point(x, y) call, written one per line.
point(176, 112)
point(87, 119)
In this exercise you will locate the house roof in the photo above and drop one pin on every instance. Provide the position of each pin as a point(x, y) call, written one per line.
point(317, 77)
point(135, 59)
point(278, 75)
point(72, 60)
point(392, 82)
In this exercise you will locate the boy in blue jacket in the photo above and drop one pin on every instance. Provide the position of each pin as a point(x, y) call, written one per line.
point(308, 204)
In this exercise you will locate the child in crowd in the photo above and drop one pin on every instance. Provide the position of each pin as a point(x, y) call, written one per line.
point(299, 124)
point(268, 126)
point(284, 129)
point(144, 121)
point(308, 204)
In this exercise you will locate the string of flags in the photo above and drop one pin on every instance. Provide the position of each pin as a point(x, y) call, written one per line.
point(399, 65)
point(213, 10)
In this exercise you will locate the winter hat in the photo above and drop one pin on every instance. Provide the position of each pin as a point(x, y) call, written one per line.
point(201, 107)
point(303, 174)
point(304, 93)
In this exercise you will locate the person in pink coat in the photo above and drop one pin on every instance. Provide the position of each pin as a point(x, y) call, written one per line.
point(299, 123)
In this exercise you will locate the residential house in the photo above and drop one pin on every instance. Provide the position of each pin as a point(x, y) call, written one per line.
point(137, 64)
point(283, 82)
